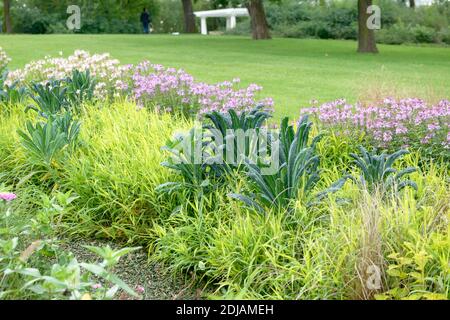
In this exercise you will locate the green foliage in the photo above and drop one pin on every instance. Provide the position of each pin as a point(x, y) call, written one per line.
point(212, 144)
point(236, 131)
point(232, 252)
point(80, 89)
point(418, 271)
point(117, 196)
point(194, 172)
point(49, 98)
point(11, 94)
point(28, 270)
point(45, 140)
point(378, 173)
point(338, 20)
point(312, 253)
point(297, 175)
point(169, 17)
point(253, 119)
point(105, 16)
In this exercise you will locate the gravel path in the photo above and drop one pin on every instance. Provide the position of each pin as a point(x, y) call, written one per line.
point(135, 270)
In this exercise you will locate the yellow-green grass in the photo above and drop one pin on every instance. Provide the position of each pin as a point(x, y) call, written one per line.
point(320, 252)
point(292, 71)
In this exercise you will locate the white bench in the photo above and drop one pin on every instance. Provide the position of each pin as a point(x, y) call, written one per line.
point(230, 14)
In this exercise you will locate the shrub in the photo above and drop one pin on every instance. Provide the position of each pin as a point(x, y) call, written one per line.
point(444, 35)
point(418, 271)
point(424, 34)
point(338, 20)
point(395, 34)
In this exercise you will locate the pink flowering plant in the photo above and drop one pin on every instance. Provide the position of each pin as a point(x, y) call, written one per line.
point(391, 124)
point(7, 196)
point(175, 91)
point(150, 85)
point(107, 71)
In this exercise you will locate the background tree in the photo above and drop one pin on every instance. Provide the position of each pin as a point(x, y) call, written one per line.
point(366, 36)
point(100, 16)
point(412, 3)
point(7, 26)
point(258, 20)
point(189, 18)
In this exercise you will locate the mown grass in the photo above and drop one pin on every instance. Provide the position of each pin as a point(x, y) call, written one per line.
point(292, 71)
point(320, 252)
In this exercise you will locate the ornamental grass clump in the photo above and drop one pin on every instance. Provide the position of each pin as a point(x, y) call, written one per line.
point(392, 124)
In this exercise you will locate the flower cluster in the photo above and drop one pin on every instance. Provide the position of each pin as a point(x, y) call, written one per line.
point(7, 196)
point(106, 70)
point(391, 123)
point(176, 91)
point(165, 89)
point(4, 60)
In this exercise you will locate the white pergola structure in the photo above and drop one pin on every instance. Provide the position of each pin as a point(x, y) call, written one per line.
point(230, 14)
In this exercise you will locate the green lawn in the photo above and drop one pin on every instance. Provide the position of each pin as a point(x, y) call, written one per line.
point(291, 71)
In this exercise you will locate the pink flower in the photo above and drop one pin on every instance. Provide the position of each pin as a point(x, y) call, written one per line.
point(390, 122)
point(7, 196)
point(140, 289)
point(96, 286)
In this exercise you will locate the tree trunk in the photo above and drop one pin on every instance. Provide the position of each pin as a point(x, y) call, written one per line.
point(189, 18)
point(7, 27)
point(258, 21)
point(366, 36)
point(412, 4)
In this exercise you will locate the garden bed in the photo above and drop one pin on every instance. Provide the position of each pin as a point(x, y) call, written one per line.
point(349, 205)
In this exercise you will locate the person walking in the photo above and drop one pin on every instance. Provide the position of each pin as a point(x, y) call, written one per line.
point(146, 19)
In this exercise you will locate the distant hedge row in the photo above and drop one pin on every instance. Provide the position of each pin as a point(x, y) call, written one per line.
point(338, 20)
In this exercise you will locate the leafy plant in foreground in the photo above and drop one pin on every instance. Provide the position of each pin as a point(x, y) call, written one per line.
point(231, 120)
point(45, 140)
point(296, 176)
point(377, 171)
point(29, 273)
point(80, 88)
point(11, 94)
point(210, 146)
point(193, 172)
point(236, 135)
point(49, 99)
